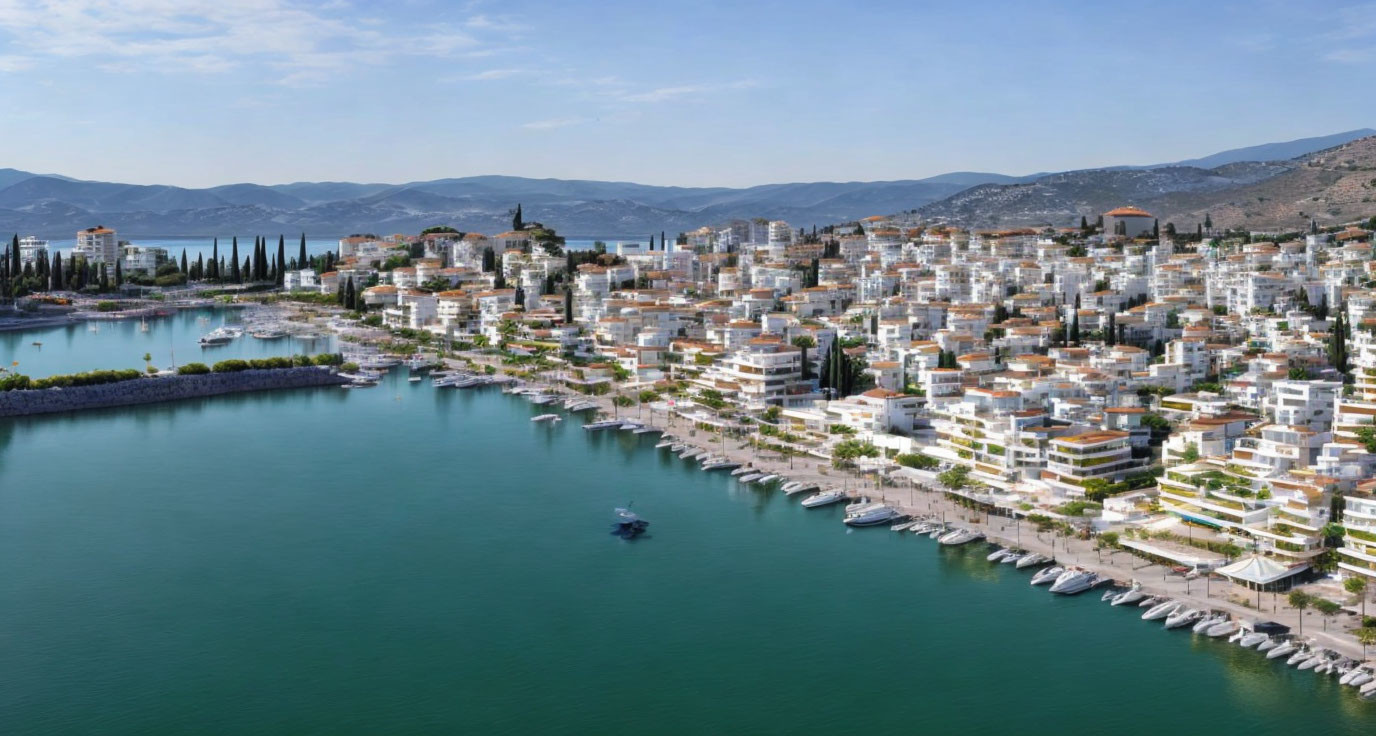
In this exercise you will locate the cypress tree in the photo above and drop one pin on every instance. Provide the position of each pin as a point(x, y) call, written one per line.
point(350, 296)
point(119, 274)
point(520, 298)
point(215, 259)
point(301, 259)
point(104, 278)
point(234, 274)
point(243, 272)
point(55, 280)
point(14, 255)
point(568, 305)
point(281, 259)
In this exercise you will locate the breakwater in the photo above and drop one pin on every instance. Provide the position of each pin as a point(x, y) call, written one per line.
point(162, 388)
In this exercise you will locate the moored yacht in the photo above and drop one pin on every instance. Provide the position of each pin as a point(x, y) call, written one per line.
point(1032, 560)
point(824, 498)
point(873, 515)
point(1184, 617)
point(1129, 596)
point(547, 418)
point(1161, 610)
point(1074, 581)
point(959, 536)
point(1047, 575)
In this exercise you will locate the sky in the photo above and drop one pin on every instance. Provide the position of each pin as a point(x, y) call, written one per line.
point(703, 93)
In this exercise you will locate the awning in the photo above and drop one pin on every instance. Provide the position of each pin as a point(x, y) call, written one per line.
point(1260, 570)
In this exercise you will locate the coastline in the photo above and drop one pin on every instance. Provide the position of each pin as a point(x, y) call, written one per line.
point(924, 499)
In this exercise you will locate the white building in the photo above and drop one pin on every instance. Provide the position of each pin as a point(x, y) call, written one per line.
point(98, 244)
point(31, 249)
point(1135, 222)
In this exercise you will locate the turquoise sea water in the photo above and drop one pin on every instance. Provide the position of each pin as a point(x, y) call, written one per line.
point(172, 340)
point(405, 560)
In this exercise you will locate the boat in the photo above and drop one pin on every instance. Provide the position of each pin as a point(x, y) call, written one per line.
point(959, 536)
point(1184, 617)
point(663, 443)
point(1282, 650)
point(1013, 557)
point(1047, 575)
point(1314, 661)
point(997, 555)
point(743, 470)
point(1222, 628)
point(1161, 610)
point(1267, 644)
point(547, 418)
point(646, 429)
point(414, 379)
point(1299, 656)
point(903, 526)
point(1237, 636)
point(1074, 581)
point(143, 324)
point(873, 516)
point(751, 478)
point(628, 426)
point(1369, 690)
point(800, 488)
point(789, 486)
point(219, 336)
point(628, 525)
point(1359, 676)
point(1129, 596)
point(1149, 602)
point(767, 479)
point(938, 531)
point(604, 424)
point(1032, 560)
point(1205, 622)
point(720, 465)
point(37, 344)
point(824, 498)
point(268, 333)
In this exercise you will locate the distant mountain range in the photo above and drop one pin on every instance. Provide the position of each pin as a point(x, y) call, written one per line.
point(56, 206)
point(1334, 184)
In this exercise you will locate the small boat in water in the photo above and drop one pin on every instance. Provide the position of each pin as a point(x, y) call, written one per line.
point(547, 418)
point(1180, 618)
point(873, 515)
point(799, 487)
point(1047, 575)
point(997, 555)
point(1074, 581)
point(824, 498)
point(1129, 596)
point(414, 379)
point(1284, 649)
point(959, 536)
point(604, 424)
point(628, 525)
point(1222, 628)
point(1032, 560)
point(1205, 622)
point(751, 478)
point(1164, 609)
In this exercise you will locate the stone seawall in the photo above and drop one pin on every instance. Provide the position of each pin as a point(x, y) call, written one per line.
point(164, 388)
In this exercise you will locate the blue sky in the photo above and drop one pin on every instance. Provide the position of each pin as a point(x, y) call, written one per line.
point(204, 92)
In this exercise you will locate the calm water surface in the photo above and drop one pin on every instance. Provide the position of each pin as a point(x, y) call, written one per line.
point(406, 560)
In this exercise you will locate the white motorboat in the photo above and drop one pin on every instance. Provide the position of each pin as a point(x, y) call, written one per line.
point(959, 537)
point(720, 465)
point(743, 470)
point(1369, 690)
point(1284, 649)
point(547, 418)
point(903, 526)
point(631, 426)
point(1205, 622)
point(1222, 628)
point(604, 424)
point(1299, 656)
point(873, 516)
point(1128, 597)
point(1074, 581)
point(938, 531)
point(414, 379)
point(1184, 617)
point(751, 478)
point(1013, 557)
point(1312, 662)
point(767, 479)
point(824, 498)
point(1161, 610)
point(802, 487)
point(1267, 644)
point(646, 429)
point(1047, 575)
point(789, 486)
point(663, 443)
point(219, 336)
point(997, 555)
point(1359, 676)
point(1153, 600)
point(1237, 636)
point(1031, 560)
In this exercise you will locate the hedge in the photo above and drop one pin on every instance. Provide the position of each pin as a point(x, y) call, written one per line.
point(21, 382)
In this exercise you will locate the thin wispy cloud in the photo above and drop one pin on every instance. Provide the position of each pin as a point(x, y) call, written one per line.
point(299, 42)
point(667, 94)
point(491, 74)
point(553, 123)
point(12, 63)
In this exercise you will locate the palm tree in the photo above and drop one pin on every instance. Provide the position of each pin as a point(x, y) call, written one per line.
point(1328, 609)
point(1357, 586)
point(148, 362)
point(1366, 636)
point(1300, 600)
